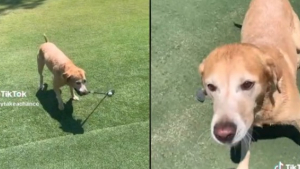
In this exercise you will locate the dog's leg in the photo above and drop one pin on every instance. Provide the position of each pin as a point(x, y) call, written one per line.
point(41, 64)
point(296, 36)
point(73, 96)
point(56, 88)
point(59, 99)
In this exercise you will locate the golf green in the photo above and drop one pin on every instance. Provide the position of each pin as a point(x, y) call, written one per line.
point(110, 41)
point(183, 33)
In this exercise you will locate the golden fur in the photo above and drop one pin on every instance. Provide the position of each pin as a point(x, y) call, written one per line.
point(267, 55)
point(65, 72)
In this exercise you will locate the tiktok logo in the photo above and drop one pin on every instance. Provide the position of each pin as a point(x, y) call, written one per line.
point(287, 166)
point(279, 166)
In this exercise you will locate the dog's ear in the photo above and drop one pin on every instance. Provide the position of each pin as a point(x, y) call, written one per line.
point(82, 71)
point(67, 76)
point(273, 70)
point(201, 72)
point(201, 67)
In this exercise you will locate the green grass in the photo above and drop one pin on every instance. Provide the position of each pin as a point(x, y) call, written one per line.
point(183, 33)
point(104, 148)
point(110, 41)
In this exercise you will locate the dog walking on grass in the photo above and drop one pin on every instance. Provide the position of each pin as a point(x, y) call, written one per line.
point(65, 72)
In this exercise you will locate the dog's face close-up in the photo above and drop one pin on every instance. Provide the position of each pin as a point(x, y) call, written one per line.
point(76, 79)
point(235, 77)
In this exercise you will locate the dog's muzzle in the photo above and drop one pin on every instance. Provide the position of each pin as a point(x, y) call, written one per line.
point(81, 93)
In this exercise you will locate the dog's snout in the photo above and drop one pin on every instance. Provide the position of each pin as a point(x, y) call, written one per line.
point(85, 92)
point(82, 93)
point(225, 131)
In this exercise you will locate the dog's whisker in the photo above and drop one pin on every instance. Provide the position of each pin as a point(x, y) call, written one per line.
point(200, 136)
point(238, 133)
point(207, 136)
point(251, 137)
point(247, 140)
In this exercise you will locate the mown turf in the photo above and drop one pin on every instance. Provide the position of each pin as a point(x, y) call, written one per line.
point(183, 33)
point(106, 148)
point(110, 41)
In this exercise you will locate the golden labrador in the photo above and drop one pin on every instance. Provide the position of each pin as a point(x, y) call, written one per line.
point(65, 72)
point(253, 83)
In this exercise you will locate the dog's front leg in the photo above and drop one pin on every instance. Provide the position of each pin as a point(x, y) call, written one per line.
point(56, 86)
point(59, 99)
point(73, 96)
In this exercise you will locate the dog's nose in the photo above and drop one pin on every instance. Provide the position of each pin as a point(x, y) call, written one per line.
point(225, 131)
point(86, 92)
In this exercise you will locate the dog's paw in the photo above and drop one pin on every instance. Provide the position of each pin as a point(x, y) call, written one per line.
point(61, 107)
point(75, 98)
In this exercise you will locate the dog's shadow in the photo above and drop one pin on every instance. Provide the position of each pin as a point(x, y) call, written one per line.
point(47, 99)
point(267, 132)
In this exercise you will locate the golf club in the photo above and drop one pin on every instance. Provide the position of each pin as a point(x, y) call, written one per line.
point(109, 93)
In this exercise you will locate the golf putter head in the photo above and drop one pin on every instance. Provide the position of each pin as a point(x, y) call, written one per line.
point(200, 95)
point(110, 93)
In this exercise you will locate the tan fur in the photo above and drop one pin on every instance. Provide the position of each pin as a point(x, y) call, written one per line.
point(270, 39)
point(65, 72)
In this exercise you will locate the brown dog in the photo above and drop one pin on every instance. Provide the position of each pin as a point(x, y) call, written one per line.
point(63, 70)
point(253, 83)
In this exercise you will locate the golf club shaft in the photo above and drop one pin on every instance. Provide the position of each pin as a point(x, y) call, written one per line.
point(93, 110)
point(99, 93)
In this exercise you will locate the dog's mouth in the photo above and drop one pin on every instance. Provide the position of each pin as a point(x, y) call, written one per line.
point(81, 93)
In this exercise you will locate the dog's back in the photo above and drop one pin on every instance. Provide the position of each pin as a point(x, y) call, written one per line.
point(266, 18)
point(269, 23)
point(53, 57)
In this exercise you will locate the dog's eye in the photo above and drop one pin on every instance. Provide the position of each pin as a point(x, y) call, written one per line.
point(211, 87)
point(247, 85)
point(84, 81)
point(78, 83)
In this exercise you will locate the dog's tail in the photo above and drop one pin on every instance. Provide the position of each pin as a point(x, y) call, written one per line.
point(45, 37)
